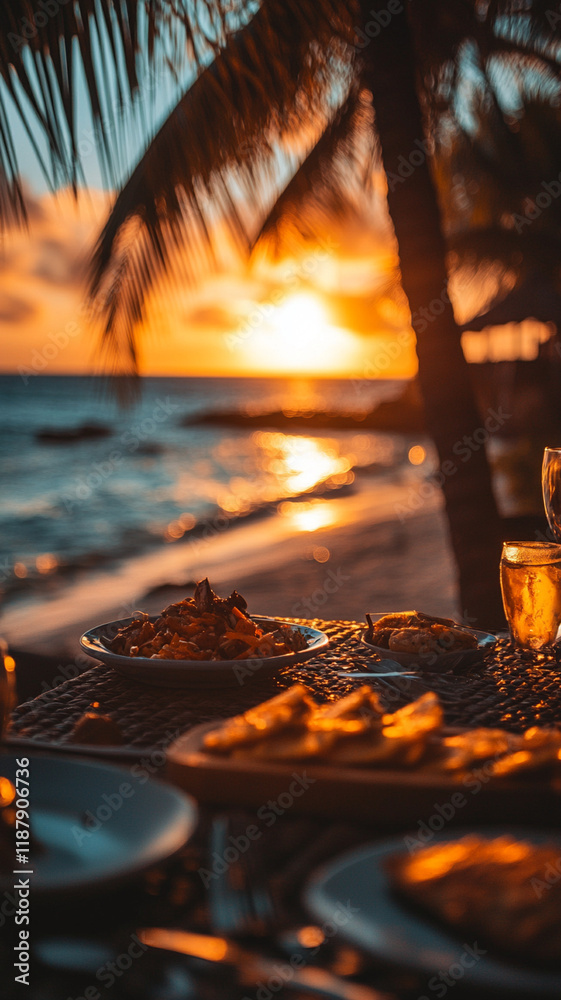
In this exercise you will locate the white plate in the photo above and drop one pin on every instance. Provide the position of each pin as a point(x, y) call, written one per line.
point(432, 662)
point(386, 928)
point(89, 833)
point(200, 673)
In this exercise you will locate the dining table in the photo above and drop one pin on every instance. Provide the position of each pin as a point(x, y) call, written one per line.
point(231, 913)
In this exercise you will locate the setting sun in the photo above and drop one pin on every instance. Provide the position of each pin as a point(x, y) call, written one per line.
point(300, 338)
point(302, 313)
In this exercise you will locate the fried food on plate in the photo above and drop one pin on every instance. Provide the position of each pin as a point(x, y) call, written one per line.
point(356, 731)
point(418, 633)
point(538, 748)
point(287, 710)
point(463, 750)
point(492, 891)
point(353, 730)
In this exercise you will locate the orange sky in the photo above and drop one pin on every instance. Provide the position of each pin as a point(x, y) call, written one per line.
point(328, 311)
point(319, 313)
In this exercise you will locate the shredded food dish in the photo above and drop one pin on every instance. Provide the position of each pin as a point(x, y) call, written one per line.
point(204, 627)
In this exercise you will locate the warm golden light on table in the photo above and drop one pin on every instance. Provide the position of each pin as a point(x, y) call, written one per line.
point(531, 588)
point(7, 685)
point(212, 949)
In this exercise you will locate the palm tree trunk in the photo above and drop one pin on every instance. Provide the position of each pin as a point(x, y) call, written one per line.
point(453, 421)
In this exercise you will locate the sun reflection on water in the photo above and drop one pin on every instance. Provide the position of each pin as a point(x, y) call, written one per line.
point(309, 515)
point(208, 485)
point(301, 462)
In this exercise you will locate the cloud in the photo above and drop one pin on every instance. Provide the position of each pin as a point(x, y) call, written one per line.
point(58, 263)
point(188, 330)
point(215, 317)
point(14, 309)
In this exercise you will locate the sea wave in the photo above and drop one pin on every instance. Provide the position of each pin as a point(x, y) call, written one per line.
point(68, 506)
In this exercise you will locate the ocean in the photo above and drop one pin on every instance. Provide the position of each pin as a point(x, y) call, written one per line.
point(66, 506)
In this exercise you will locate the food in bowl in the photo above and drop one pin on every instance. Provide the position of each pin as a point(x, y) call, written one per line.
point(489, 890)
point(419, 634)
point(204, 627)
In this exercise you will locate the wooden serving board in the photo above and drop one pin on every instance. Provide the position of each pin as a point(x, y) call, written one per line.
point(386, 799)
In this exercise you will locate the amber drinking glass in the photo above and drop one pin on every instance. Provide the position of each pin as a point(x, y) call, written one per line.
point(551, 488)
point(531, 588)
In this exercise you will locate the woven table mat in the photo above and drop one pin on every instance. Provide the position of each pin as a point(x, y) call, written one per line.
point(510, 688)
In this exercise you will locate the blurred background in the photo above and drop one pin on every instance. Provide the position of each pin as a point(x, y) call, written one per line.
point(283, 253)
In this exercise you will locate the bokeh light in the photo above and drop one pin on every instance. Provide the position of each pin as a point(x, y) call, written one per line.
point(417, 454)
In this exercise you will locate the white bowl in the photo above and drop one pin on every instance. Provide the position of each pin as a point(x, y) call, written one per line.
point(436, 662)
point(199, 673)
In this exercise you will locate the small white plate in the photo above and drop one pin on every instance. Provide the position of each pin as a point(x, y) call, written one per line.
point(436, 662)
point(386, 928)
point(96, 824)
point(200, 673)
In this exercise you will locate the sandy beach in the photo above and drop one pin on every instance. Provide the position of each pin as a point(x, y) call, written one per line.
point(324, 558)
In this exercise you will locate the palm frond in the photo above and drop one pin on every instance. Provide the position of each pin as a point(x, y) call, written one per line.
point(272, 77)
point(519, 253)
point(458, 45)
point(509, 160)
point(44, 48)
point(38, 67)
point(326, 181)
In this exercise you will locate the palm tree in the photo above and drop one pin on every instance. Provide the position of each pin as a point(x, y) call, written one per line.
point(510, 220)
point(451, 412)
point(268, 73)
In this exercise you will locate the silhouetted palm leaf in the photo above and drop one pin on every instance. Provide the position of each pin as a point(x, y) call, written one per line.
point(266, 71)
point(39, 61)
point(330, 180)
point(43, 49)
point(216, 143)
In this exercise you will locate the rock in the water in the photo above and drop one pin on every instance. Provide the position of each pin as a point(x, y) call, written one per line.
point(62, 435)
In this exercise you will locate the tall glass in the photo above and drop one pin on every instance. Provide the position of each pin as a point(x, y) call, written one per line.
point(531, 587)
point(551, 487)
